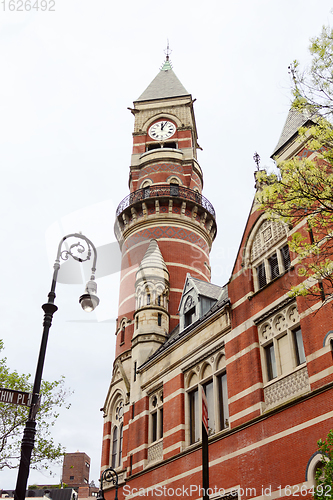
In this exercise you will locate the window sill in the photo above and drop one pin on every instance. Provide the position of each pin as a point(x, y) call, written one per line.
point(284, 375)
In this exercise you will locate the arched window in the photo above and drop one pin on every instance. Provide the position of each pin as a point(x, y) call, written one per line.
point(122, 334)
point(210, 378)
point(117, 416)
point(120, 444)
point(114, 461)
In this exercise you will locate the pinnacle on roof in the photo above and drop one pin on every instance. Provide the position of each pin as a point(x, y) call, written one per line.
point(295, 120)
point(153, 258)
point(164, 85)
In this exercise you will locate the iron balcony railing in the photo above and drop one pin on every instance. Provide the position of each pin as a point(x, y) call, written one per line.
point(165, 190)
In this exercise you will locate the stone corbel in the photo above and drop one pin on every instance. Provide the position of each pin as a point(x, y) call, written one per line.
point(144, 209)
point(157, 207)
point(134, 214)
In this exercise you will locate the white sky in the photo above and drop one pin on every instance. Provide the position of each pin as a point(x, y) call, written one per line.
point(67, 78)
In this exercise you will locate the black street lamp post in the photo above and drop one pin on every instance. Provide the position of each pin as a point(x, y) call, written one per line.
point(88, 302)
point(109, 476)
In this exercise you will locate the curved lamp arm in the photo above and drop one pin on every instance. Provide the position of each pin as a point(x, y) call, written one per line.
point(91, 286)
point(109, 476)
point(88, 301)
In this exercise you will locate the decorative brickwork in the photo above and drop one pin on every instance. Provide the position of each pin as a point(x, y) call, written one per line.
point(166, 232)
point(162, 167)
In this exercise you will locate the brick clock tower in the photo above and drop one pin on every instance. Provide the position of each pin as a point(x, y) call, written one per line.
point(263, 359)
point(165, 228)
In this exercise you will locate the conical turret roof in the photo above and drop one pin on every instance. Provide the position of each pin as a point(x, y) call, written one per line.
point(295, 120)
point(164, 85)
point(153, 258)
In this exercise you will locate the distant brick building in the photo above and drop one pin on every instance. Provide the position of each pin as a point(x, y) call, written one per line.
point(263, 359)
point(76, 469)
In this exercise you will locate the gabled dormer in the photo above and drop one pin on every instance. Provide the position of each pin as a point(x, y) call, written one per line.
point(197, 299)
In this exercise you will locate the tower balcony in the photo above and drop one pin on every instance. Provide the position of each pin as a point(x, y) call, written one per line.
point(166, 201)
point(165, 191)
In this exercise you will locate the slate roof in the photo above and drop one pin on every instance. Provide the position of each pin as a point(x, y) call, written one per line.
point(208, 289)
point(164, 85)
point(295, 120)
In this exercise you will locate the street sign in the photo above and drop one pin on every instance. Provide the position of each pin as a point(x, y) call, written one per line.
point(205, 411)
point(15, 397)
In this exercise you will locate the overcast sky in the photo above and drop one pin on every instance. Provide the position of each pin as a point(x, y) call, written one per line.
point(67, 77)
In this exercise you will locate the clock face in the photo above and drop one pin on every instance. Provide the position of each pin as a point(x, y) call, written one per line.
point(162, 130)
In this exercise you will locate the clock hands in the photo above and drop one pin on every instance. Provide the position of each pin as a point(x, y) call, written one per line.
point(162, 130)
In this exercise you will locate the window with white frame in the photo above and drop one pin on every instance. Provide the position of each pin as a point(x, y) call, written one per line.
point(272, 266)
point(282, 343)
point(268, 253)
point(211, 378)
point(117, 433)
point(283, 359)
point(156, 416)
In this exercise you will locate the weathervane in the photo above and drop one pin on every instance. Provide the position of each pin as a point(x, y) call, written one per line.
point(167, 51)
point(256, 158)
point(292, 72)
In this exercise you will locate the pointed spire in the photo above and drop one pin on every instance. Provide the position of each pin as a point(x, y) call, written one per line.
point(165, 84)
point(295, 120)
point(153, 258)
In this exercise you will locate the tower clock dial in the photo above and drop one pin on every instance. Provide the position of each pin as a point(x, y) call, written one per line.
point(162, 130)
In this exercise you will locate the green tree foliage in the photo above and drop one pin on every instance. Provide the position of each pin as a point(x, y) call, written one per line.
point(13, 417)
point(303, 188)
point(324, 475)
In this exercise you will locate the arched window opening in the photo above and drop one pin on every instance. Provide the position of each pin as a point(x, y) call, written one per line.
point(114, 448)
point(120, 445)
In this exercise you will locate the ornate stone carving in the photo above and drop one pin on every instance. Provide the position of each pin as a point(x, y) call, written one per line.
point(266, 331)
point(287, 388)
point(279, 322)
point(120, 411)
point(189, 303)
point(269, 234)
point(155, 452)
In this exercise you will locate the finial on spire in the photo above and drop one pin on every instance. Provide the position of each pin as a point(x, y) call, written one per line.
point(167, 51)
point(167, 64)
point(292, 72)
point(256, 158)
